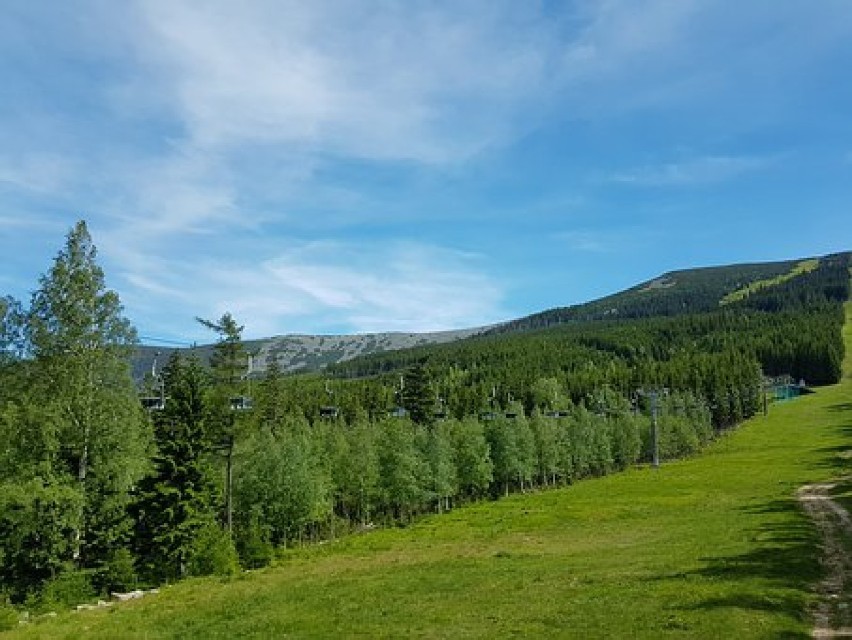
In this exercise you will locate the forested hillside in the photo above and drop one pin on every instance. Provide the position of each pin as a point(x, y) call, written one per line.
point(97, 494)
point(791, 329)
point(674, 293)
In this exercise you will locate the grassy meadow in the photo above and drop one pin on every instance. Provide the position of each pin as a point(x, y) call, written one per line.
point(714, 546)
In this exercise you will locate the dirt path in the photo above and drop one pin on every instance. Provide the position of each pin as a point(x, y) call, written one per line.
point(833, 615)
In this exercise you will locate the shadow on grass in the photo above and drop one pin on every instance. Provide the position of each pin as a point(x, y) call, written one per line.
point(837, 458)
point(786, 557)
point(840, 407)
point(843, 493)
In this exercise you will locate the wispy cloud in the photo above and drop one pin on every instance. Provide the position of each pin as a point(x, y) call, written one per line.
point(40, 172)
point(584, 241)
point(693, 171)
point(323, 286)
point(346, 79)
point(191, 134)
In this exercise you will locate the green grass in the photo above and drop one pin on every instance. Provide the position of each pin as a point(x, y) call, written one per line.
point(710, 547)
point(847, 340)
point(805, 266)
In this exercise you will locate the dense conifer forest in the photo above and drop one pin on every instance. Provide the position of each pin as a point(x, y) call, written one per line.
point(216, 468)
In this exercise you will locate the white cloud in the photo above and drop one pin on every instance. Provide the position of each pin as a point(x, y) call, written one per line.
point(413, 82)
point(693, 171)
point(196, 127)
point(41, 172)
point(28, 222)
point(585, 241)
point(183, 193)
point(320, 286)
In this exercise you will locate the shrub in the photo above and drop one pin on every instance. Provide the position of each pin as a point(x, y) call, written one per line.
point(213, 553)
point(118, 572)
point(66, 589)
point(8, 617)
point(255, 549)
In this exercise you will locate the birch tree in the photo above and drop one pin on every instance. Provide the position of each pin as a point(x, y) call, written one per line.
point(80, 343)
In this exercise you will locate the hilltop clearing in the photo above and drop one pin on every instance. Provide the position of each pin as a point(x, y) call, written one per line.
point(805, 266)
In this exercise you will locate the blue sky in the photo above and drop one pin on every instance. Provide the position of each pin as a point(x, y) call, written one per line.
point(324, 167)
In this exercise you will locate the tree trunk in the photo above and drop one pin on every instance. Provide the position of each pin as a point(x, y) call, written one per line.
point(229, 477)
point(82, 472)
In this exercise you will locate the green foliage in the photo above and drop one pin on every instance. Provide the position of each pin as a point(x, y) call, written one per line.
point(683, 344)
point(710, 547)
point(545, 433)
point(229, 366)
point(37, 524)
point(254, 548)
point(178, 498)
point(805, 266)
point(229, 360)
point(441, 477)
point(13, 324)
point(626, 440)
point(359, 472)
point(564, 403)
point(81, 402)
point(400, 468)
point(70, 587)
point(31, 443)
point(278, 484)
point(9, 617)
point(213, 553)
point(118, 572)
point(271, 401)
point(417, 397)
point(503, 449)
point(472, 457)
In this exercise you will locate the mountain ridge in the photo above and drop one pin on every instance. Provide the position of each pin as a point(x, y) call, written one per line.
point(672, 293)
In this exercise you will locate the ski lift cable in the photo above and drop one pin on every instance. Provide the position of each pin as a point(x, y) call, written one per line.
point(178, 343)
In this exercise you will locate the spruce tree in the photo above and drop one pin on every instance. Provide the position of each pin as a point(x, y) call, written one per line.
point(178, 499)
point(416, 395)
point(229, 364)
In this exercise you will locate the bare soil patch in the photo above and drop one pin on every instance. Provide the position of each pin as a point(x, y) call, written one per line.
point(833, 613)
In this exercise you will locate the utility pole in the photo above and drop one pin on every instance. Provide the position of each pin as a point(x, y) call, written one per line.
point(654, 395)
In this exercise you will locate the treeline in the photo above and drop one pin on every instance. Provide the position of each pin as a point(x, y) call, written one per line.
point(294, 480)
point(97, 494)
point(792, 329)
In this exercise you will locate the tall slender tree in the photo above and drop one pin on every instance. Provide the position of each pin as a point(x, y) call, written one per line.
point(178, 499)
point(80, 342)
point(230, 368)
point(417, 397)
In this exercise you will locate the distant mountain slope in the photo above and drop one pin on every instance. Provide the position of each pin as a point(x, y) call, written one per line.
point(673, 293)
point(671, 324)
point(309, 353)
point(305, 353)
